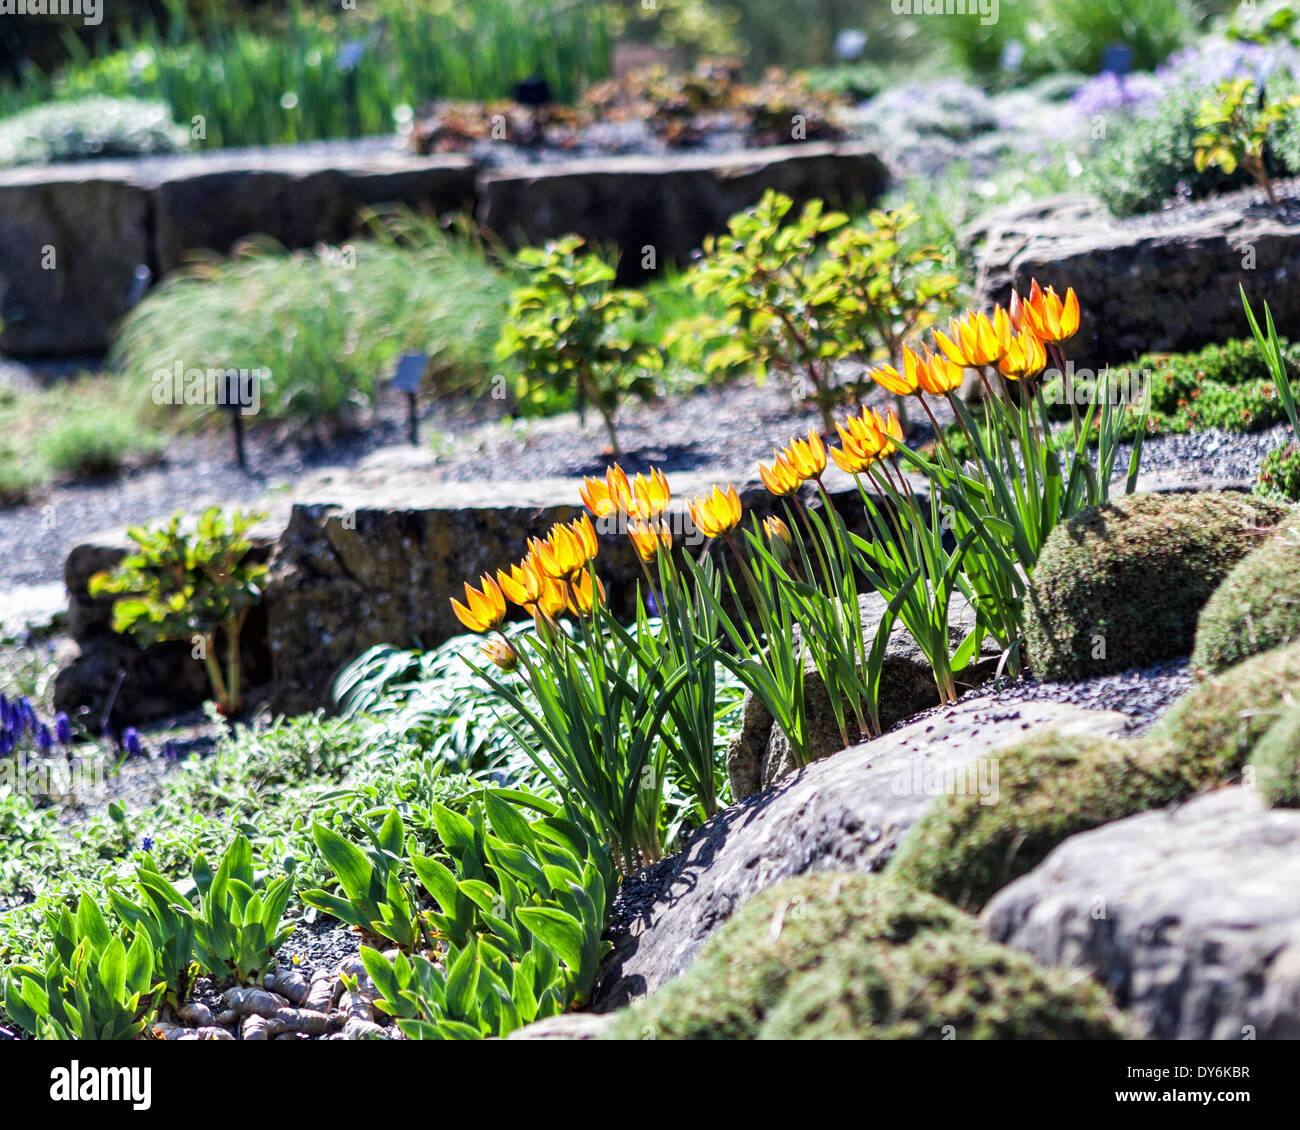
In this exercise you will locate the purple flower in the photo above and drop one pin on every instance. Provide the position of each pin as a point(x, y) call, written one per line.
point(62, 729)
point(131, 742)
point(146, 844)
point(44, 739)
point(171, 751)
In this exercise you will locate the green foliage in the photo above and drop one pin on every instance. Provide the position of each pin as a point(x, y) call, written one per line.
point(325, 327)
point(89, 127)
point(316, 74)
point(156, 909)
point(1064, 35)
point(435, 701)
point(1121, 585)
point(521, 907)
point(1235, 124)
point(180, 585)
point(793, 310)
point(1276, 760)
point(570, 328)
point(375, 898)
point(1257, 607)
point(845, 956)
point(1279, 474)
point(91, 986)
point(762, 271)
point(1151, 159)
point(90, 444)
point(238, 927)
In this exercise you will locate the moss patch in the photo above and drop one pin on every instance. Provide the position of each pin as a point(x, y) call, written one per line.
point(1215, 726)
point(1257, 608)
point(839, 956)
point(1276, 762)
point(1121, 585)
point(1050, 787)
point(1053, 786)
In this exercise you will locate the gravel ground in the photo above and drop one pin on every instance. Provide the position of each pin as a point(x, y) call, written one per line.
point(726, 429)
point(1141, 694)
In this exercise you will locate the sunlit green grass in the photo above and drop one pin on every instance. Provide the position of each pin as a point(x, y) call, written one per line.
point(333, 73)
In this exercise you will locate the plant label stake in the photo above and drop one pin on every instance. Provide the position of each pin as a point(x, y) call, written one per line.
point(232, 401)
point(408, 379)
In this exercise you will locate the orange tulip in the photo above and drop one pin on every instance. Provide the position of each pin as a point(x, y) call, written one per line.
point(976, 340)
point(781, 478)
point(501, 653)
point(649, 537)
point(566, 550)
point(1052, 319)
point(777, 530)
point(1026, 358)
point(716, 514)
point(937, 375)
point(522, 585)
point(581, 597)
point(482, 611)
point(866, 438)
point(613, 496)
point(890, 379)
point(807, 456)
point(651, 493)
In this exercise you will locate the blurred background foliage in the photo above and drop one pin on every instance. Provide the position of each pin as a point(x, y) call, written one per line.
point(263, 71)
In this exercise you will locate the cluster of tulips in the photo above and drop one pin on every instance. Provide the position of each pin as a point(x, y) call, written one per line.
point(612, 711)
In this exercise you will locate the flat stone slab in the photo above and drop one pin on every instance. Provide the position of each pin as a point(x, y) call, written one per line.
point(847, 812)
point(108, 221)
point(1165, 282)
point(1189, 916)
point(31, 606)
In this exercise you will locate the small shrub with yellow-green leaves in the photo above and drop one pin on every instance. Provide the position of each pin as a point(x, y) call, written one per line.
point(1257, 607)
point(846, 956)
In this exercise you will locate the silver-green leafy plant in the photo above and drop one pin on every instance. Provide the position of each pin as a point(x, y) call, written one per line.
point(521, 907)
point(375, 896)
point(238, 927)
point(92, 986)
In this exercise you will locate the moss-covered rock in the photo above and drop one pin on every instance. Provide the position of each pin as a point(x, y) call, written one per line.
point(847, 956)
point(1050, 787)
point(1214, 727)
point(1276, 761)
point(1053, 786)
point(1257, 608)
point(1121, 585)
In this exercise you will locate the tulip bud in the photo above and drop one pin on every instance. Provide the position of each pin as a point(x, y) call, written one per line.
point(501, 653)
point(778, 531)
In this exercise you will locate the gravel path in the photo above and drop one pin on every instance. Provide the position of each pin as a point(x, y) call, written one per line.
point(725, 429)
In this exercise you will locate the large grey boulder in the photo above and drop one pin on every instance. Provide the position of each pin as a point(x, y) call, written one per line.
point(845, 813)
point(668, 203)
point(1190, 916)
point(1150, 283)
point(761, 754)
point(71, 242)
